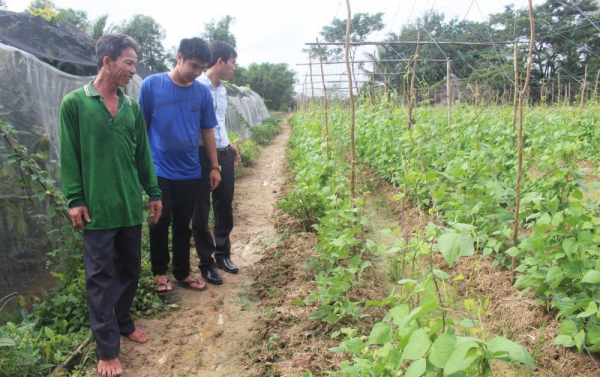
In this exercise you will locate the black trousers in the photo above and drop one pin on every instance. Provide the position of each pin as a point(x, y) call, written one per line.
point(222, 199)
point(111, 259)
point(179, 199)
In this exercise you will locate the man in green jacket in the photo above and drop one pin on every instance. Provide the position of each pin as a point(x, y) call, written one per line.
point(105, 158)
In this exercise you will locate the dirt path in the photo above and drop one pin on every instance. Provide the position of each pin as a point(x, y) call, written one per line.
point(205, 334)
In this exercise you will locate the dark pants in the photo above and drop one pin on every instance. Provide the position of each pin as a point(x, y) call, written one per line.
point(179, 199)
point(222, 198)
point(111, 259)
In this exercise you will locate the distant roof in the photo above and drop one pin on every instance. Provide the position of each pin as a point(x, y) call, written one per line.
point(60, 44)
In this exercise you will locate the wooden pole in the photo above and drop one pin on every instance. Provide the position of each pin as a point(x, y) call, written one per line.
point(520, 158)
point(349, 71)
point(542, 96)
point(324, 100)
point(448, 91)
point(516, 99)
point(559, 89)
point(583, 87)
point(596, 86)
point(374, 68)
point(312, 87)
point(385, 82)
point(411, 102)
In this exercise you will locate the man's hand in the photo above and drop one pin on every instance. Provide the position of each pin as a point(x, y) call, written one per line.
point(214, 179)
point(76, 214)
point(155, 211)
point(237, 159)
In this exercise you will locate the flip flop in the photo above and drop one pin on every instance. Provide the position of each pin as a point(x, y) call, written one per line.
point(188, 285)
point(164, 292)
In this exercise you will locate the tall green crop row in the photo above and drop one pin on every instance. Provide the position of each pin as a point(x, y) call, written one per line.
point(415, 337)
point(464, 174)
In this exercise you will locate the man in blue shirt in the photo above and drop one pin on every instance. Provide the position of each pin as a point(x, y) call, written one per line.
point(178, 109)
point(220, 68)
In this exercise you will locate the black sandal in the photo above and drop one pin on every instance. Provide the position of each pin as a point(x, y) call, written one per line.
point(164, 292)
point(188, 284)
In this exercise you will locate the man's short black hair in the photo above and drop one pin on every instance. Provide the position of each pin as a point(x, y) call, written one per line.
point(113, 45)
point(194, 48)
point(223, 50)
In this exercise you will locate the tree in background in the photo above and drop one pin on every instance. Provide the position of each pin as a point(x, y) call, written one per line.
point(219, 31)
point(2, 4)
point(149, 34)
point(240, 78)
point(273, 82)
point(566, 40)
point(98, 27)
point(41, 4)
point(362, 25)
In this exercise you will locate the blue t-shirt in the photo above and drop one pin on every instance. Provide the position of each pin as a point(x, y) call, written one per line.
point(175, 116)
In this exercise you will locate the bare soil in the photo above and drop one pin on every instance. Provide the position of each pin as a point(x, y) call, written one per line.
point(207, 332)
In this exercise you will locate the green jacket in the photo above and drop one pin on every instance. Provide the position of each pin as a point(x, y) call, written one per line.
point(104, 161)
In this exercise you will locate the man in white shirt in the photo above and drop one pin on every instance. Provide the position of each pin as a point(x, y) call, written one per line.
point(216, 252)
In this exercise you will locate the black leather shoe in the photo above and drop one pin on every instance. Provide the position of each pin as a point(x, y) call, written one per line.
point(227, 266)
point(211, 275)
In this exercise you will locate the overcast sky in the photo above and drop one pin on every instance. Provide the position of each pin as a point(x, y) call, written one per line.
point(274, 30)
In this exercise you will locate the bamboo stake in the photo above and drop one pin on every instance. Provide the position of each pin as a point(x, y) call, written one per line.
point(304, 93)
point(520, 161)
point(352, 151)
point(516, 68)
point(385, 82)
point(374, 68)
point(448, 91)
point(542, 96)
point(312, 87)
point(583, 86)
point(411, 102)
point(596, 86)
point(559, 89)
point(324, 100)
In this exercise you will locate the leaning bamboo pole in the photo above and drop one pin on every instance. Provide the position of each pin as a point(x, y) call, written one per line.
point(596, 86)
point(559, 90)
point(448, 91)
point(583, 88)
point(312, 87)
point(516, 97)
point(324, 99)
point(352, 114)
point(412, 100)
point(520, 151)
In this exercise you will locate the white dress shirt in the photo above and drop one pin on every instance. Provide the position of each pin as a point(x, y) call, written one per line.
point(219, 96)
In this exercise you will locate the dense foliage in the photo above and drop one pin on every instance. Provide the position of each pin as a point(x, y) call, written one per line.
point(36, 338)
point(566, 37)
point(219, 30)
point(416, 337)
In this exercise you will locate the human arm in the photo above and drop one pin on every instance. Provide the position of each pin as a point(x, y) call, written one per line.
point(237, 159)
point(70, 162)
point(145, 167)
point(207, 124)
point(210, 145)
point(155, 210)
